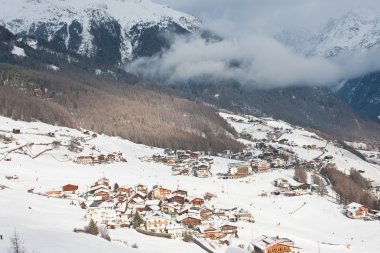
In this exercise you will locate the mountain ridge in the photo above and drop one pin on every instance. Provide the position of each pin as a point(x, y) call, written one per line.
point(93, 28)
point(356, 32)
point(358, 29)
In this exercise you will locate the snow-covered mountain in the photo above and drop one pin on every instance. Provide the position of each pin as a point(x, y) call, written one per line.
point(363, 94)
point(358, 29)
point(112, 31)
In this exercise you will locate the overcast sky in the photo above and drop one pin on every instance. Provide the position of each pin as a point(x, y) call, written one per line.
point(247, 27)
point(268, 15)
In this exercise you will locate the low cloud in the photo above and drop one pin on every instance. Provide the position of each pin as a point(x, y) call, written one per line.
point(361, 62)
point(256, 60)
point(249, 54)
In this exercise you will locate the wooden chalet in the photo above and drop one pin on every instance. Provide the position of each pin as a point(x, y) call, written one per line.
point(57, 193)
point(84, 160)
point(157, 222)
point(160, 193)
point(197, 201)
point(176, 198)
point(205, 212)
point(180, 192)
point(125, 190)
point(356, 211)
point(141, 188)
point(210, 232)
point(260, 166)
point(189, 220)
point(228, 229)
point(69, 188)
point(170, 208)
point(239, 169)
point(266, 244)
point(210, 197)
point(103, 194)
point(111, 158)
point(103, 181)
point(102, 158)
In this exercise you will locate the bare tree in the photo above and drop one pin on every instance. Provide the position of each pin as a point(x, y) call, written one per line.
point(300, 174)
point(17, 244)
point(104, 233)
point(322, 190)
point(350, 188)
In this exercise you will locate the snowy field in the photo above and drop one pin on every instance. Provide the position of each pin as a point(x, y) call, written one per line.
point(47, 224)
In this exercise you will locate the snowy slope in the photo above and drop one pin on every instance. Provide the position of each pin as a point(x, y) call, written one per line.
point(300, 137)
point(47, 226)
point(73, 21)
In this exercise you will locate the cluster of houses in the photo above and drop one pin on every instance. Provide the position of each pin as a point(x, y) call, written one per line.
point(292, 190)
point(92, 160)
point(187, 162)
point(263, 156)
point(162, 211)
point(66, 191)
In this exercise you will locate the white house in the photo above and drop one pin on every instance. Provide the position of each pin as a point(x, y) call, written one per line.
point(103, 212)
point(175, 229)
point(156, 221)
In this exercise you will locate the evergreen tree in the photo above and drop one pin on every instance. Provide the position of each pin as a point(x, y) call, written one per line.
point(92, 228)
point(188, 237)
point(115, 187)
point(137, 220)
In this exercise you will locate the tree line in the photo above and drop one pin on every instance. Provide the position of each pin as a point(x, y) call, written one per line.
point(351, 188)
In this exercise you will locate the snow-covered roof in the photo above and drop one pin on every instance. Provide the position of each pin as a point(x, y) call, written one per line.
point(156, 214)
point(263, 242)
point(354, 206)
point(188, 215)
point(174, 226)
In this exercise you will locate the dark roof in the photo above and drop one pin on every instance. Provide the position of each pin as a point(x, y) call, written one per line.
point(96, 203)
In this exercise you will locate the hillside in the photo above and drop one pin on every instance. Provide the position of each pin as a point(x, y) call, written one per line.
point(52, 85)
point(314, 107)
point(275, 215)
point(132, 112)
point(363, 94)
